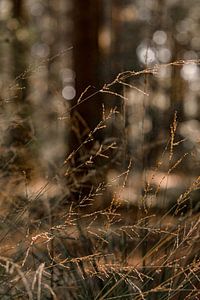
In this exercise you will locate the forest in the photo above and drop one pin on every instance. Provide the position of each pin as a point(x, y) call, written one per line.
point(99, 149)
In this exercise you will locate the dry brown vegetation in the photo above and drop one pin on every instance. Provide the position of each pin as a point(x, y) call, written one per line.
point(107, 243)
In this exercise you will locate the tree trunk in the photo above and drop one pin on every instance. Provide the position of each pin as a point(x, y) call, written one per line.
point(86, 65)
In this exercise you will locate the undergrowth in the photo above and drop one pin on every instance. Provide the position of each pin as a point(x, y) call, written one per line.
point(100, 246)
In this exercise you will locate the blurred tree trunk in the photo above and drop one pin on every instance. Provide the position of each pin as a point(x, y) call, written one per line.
point(89, 66)
point(85, 116)
point(87, 16)
point(89, 60)
point(18, 134)
point(179, 86)
point(20, 54)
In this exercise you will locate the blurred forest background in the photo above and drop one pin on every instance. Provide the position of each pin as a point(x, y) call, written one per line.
point(99, 149)
point(54, 52)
